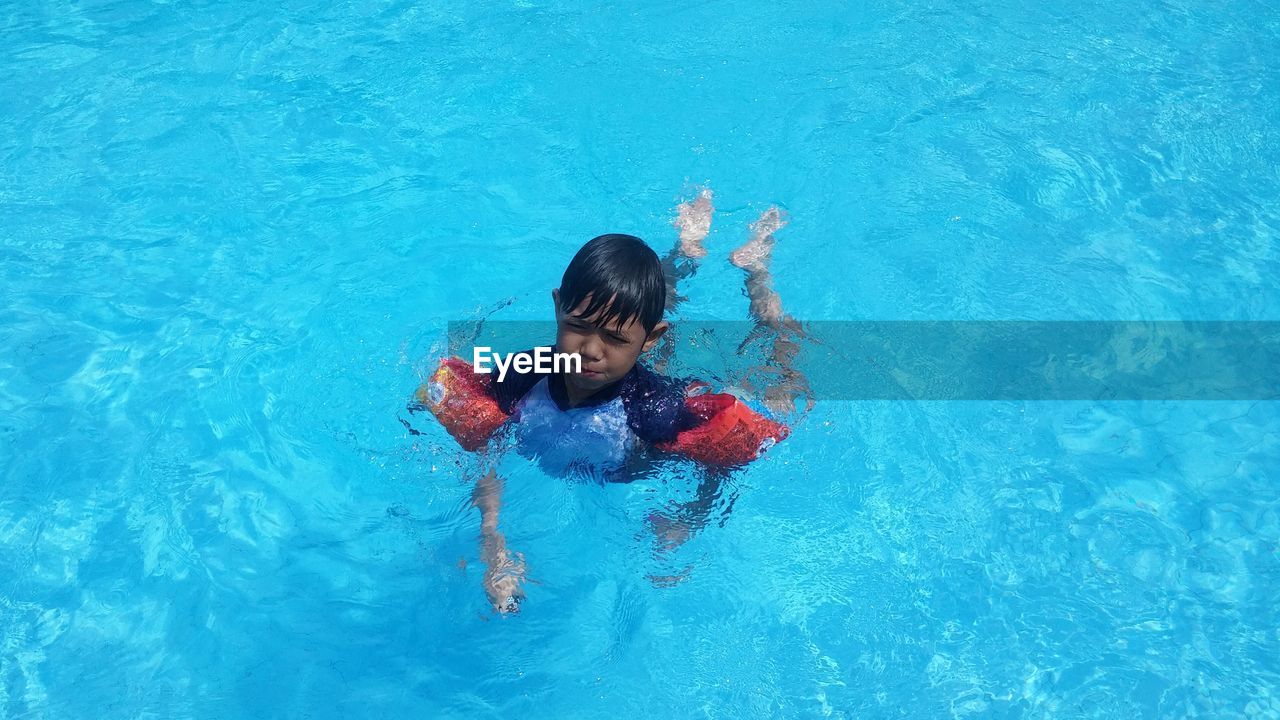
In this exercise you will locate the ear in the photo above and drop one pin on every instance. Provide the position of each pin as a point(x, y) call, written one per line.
point(555, 299)
point(654, 335)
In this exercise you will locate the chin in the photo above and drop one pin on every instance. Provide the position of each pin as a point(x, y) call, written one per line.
point(587, 383)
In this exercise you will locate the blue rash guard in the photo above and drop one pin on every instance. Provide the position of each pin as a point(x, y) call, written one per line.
point(602, 433)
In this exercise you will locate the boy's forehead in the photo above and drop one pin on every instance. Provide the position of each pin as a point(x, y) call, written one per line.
point(597, 317)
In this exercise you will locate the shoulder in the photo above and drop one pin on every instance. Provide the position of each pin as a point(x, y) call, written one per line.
point(655, 405)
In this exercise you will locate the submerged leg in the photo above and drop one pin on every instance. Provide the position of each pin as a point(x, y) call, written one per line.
point(679, 522)
point(693, 220)
point(766, 308)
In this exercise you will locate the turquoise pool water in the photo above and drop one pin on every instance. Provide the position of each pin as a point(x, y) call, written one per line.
point(232, 235)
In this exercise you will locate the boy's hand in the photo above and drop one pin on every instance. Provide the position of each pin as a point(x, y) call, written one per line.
point(502, 577)
point(670, 532)
point(504, 593)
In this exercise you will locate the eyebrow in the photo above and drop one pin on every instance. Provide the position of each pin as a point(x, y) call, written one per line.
point(605, 328)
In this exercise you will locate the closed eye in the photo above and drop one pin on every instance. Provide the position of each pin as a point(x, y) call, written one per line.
point(580, 326)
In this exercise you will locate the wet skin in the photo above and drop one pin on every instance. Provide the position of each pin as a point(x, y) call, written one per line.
point(608, 350)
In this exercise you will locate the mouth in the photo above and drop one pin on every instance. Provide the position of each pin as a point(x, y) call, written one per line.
point(592, 374)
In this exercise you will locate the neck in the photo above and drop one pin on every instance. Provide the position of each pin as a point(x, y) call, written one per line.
point(574, 395)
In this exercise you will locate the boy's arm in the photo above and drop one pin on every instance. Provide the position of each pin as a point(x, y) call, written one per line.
point(683, 519)
point(513, 387)
point(656, 408)
point(715, 429)
point(470, 405)
point(502, 575)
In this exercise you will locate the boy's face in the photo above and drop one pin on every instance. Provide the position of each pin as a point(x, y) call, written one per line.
point(608, 351)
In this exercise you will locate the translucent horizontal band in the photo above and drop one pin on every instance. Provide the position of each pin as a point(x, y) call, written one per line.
point(960, 360)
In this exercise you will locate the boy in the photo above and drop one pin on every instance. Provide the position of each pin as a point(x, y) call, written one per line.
point(609, 310)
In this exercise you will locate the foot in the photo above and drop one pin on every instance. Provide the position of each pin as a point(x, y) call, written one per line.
point(781, 397)
point(780, 400)
point(754, 254)
point(694, 222)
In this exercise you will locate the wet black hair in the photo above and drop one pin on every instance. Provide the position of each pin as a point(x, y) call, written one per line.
point(622, 275)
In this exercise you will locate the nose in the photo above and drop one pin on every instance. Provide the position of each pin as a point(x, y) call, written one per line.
point(591, 350)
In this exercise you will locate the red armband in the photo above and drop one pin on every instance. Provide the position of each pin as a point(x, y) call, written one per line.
point(731, 432)
point(459, 398)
